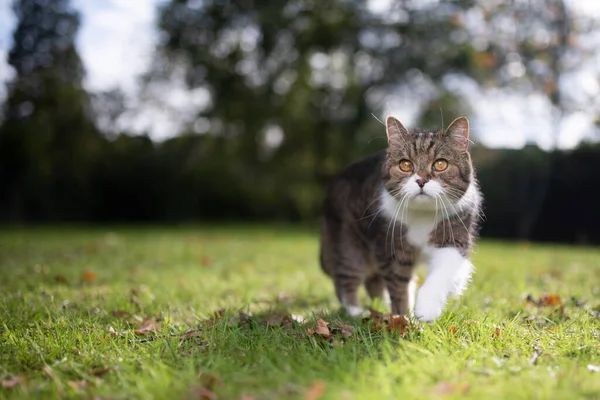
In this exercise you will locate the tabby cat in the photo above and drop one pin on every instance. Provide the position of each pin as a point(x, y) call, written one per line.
point(417, 201)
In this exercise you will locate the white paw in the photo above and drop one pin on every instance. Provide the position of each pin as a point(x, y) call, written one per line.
point(354, 311)
point(428, 307)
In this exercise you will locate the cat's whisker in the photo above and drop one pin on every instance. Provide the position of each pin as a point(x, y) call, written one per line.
point(380, 121)
point(449, 222)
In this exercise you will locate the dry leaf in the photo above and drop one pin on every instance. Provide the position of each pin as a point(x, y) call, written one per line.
point(206, 260)
point(498, 332)
point(77, 385)
point(88, 276)
point(398, 324)
point(209, 380)
point(100, 372)
point(148, 325)
point(550, 300)
point(447, 388)
point(593, 368)
point(121, 314)
point(316, 391)
point(452, 329)
point(204, 393)
point(191, 333)
point(12, 382)
point(322, 328)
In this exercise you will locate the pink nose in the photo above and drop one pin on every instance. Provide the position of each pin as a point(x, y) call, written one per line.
point(421, 182)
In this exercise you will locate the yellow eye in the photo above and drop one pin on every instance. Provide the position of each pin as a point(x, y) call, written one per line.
point(406, 166)
point(440, 165)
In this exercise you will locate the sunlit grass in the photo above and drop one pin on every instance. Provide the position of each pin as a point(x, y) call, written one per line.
point(54, 324)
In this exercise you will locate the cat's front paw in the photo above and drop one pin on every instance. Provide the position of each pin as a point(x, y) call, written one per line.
point(354, 311)
point(428, 308)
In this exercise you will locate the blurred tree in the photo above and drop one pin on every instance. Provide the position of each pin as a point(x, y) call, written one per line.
point(47, 140)
point(292, 84)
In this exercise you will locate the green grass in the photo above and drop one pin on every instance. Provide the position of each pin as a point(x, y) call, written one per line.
point(54, 327)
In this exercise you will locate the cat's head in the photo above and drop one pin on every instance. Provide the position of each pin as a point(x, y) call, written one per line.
point(428, 167)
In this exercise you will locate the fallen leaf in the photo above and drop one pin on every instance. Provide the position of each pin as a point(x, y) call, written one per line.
point(452, 329)
point(344, 330)
point(593, 368)
point(498, 332)
point(148, 325)
point(204, 393)
point(206, 260)
point(550, 300)
point(191, 333)
point(398, 324)
point(316, 391)
point(209, 380)
point(121, 314)
point(322, 328)
point(88, 276)
point(100, 372)
point(447, 388)
point(77, 385)
point(12, 382)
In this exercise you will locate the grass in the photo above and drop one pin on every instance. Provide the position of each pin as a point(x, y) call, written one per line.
point(55, 319)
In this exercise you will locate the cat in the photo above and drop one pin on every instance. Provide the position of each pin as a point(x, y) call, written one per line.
point(417, 201)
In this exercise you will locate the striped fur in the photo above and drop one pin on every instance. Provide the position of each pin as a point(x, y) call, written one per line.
point(376, 224)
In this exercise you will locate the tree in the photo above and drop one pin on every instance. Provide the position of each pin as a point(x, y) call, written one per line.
point(47, 140)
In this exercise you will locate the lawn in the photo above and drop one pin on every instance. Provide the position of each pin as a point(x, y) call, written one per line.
point(211, 313)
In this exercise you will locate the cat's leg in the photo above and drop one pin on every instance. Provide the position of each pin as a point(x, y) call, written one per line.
point(398, 276)
point(376, 289)
point(346, 288)
point(448, 273)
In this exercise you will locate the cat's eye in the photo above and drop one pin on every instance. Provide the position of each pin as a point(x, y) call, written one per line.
point(440, 165)
point(406, 166)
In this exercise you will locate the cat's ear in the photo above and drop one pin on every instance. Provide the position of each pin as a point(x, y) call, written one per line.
point(395, 129)
point(458, 132)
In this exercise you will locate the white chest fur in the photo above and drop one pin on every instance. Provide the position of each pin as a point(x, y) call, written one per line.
point(419, 223)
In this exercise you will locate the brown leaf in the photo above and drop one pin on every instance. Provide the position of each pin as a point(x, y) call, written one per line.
point(452, 329)
point(447, 388)
point(88, 276)
point(498, 332)
point(77, 385)
point(310, 331)
point(191, 333)
point(322, 328)
point(398, 324)
point(206, 260)
point(209, 380)
point(12, 382)
point(204, 393)
point(100, 371)
point(344, 330)
point(550, 300)
point(121, 314)
point(316, 391)
point(148, 325)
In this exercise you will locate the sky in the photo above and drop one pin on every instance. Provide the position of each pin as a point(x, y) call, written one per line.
point(117, 37)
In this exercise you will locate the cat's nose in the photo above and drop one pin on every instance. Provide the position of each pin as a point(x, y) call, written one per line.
point(421, 182)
